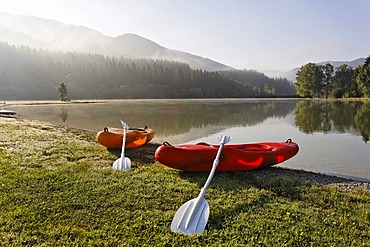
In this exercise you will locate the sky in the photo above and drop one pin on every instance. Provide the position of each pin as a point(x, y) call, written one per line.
point(244, 34)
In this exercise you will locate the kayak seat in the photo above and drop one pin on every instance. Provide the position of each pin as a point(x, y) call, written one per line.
point(256, 148)
point(144, 130)
point(166, 143)
point(242, 148)
point(203, 144)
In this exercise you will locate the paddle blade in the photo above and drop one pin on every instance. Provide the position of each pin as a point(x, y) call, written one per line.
point(191, 217)
point(122, 164)
point(124, 125)
point(224, 139)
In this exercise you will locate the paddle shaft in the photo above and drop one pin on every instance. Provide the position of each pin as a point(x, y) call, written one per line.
point(123, 141)
point(123, 163)
point(214, 166)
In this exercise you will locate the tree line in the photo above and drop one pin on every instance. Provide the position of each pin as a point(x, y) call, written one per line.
point(31, 74)
point(315, 80)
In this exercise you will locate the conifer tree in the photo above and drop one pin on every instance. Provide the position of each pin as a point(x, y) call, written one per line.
point(62, 91)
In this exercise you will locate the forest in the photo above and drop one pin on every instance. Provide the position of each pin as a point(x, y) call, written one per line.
point(325, 81)
point(30, 74)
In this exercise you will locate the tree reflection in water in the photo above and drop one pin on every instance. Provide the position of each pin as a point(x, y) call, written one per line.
point(179, 117)
point(63, 113)
point(326, 116)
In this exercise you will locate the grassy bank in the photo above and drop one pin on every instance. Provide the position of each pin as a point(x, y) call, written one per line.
point(57, 188)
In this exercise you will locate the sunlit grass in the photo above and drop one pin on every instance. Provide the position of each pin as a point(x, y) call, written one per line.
point(57, 188)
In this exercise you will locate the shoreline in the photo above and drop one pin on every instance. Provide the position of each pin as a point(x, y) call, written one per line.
point(100, 101)
point(48, 102)
point(342, 183)
point(275, 172)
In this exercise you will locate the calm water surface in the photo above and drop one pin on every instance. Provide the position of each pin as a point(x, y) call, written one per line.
point(333, 136)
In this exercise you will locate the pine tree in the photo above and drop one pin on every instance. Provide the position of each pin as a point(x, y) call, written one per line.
point(62, 91)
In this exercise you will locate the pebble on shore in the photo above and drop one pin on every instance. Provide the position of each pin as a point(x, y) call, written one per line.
point(344, 184)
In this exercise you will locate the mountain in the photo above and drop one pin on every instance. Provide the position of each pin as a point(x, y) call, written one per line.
point(134, 46)
point(42, 33)
point(353, 63)
point(291, 74)
point(48, 34)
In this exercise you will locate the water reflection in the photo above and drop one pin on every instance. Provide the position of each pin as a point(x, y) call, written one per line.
point(63, 114)
point(193, 119)
point(328, 116)
point(181, 118)
point(317, 126)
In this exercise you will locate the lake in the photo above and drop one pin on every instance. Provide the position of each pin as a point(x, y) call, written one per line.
point(333, 136)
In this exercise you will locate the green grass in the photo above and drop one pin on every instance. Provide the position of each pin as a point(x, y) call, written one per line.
point(57, 188)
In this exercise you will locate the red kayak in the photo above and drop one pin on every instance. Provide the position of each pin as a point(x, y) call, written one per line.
point(236, 157)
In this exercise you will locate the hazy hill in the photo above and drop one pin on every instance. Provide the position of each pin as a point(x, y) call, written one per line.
point(16, 38)
point(53, 35)
point(291, 74)
point(353, 63)
point(30, 74)
point(50, 34)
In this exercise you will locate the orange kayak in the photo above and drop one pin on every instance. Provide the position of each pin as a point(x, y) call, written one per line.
point(135, 137)
point(238, 157)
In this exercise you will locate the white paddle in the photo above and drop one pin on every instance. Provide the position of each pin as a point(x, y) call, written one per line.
point(192, 216)
point(123, 163)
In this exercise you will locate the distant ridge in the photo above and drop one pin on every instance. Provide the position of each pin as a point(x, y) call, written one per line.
point(353, 63)
point(49, 34)
point(53, 35)
point(291, 74)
